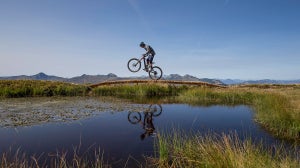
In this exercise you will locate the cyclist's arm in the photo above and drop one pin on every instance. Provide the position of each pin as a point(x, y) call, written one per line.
point(148, 51)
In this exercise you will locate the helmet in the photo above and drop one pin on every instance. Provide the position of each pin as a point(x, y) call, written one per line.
point(142, 44)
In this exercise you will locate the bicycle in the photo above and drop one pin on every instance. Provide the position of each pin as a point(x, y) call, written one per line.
point(134, 65)
point(147, 122)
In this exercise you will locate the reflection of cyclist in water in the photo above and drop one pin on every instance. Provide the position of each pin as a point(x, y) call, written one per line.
point(147, 123)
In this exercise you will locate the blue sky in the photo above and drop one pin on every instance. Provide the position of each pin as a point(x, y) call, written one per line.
point(237, 39)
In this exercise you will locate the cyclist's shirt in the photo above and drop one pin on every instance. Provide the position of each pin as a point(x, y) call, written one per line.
point(149, 50)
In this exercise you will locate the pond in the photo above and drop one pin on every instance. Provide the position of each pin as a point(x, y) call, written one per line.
point(122, 130)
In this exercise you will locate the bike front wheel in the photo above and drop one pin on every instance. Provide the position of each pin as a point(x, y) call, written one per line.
point(155, 73)
point(134, 117)
point(134, 65)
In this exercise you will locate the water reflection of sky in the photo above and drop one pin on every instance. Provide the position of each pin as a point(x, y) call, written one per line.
point(119, 138)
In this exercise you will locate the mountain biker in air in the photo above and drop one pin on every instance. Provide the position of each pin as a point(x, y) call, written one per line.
point(149, 52)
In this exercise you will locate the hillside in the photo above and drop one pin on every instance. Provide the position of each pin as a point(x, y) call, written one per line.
point(92, 79)
point(39, 76)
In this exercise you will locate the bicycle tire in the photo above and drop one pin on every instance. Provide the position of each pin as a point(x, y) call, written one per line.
point(155, 109)
point(134, 65)
point(155, 73)
point(134, 117)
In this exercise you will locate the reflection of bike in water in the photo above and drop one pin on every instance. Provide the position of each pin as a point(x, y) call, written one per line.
point(147, 123)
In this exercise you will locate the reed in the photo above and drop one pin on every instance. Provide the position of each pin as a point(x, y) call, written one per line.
point(139, 90)
point(215, 96)
point(214, 151)
point(19, 159)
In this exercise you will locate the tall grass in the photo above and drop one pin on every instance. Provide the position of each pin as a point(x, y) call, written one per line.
point(216, 96)
point(213, 151)
point(18, 159)
point(30, 88)
point(274, 112)
point(140, 90)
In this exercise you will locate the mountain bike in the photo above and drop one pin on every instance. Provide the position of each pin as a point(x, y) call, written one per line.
point(147, 122)
point(135, 64)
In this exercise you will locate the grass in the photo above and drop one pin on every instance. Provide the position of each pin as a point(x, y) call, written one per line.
point(139, 90)
point(214, 151)
point(34, 88)
point(18, 159)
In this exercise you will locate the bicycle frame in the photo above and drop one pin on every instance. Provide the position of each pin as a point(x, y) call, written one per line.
point(144, 58)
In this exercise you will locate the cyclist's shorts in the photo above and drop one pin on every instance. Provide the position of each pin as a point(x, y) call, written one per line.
point(150, 58)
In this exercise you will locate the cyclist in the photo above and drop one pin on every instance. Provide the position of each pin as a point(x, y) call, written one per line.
point(148, 125)
point(149, 52)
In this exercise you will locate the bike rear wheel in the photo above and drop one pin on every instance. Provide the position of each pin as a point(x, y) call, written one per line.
point(155, 73)
point(155, 109)
point(134, 65)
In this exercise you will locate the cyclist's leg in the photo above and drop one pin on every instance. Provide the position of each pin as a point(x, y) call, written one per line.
point(150, 60)
point(147, 63)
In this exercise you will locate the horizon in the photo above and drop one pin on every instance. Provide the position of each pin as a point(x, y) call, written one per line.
point(216, 39)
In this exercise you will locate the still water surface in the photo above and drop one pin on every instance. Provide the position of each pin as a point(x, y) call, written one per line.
point(123, 133)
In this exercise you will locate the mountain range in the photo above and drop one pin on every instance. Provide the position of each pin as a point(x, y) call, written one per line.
point(262, 81)
point(92, 79)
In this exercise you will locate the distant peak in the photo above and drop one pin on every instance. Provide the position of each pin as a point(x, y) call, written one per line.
point(189, 76)
point(112, 75)
point(41, 74)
